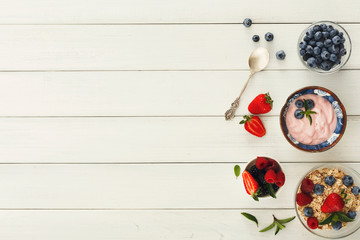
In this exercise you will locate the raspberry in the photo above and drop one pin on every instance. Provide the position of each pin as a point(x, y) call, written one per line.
point(270, 176)
point(280, 179)
point(272, 164)
point(261, 162)
point(307, 185)
point(303, 199)
point(312, 223)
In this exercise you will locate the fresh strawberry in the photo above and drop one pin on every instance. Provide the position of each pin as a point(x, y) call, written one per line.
point(333, 203)
point(303, 199)
point(261, 162)
point(280, 179)
point(270, 176)
point(307, 185)
point(272, 164)
point(312, 222)
point(254, 125)
point(251, 185)
point(261, 104)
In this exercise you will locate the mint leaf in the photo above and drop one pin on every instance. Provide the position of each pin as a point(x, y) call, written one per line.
point(343, 217)
point(279, 225)
point(268, 227)
point(327, 220)
point(286, 220)
point(271, 190)
point(237, 171)
point(277, 230)
point(250, 217)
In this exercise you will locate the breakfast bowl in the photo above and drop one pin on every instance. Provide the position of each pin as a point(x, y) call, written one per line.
point(313, 119)
point(263, 177)
point(324, 47)
point(327, 201)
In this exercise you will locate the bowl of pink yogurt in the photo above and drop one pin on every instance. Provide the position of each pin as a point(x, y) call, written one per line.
point(313, 119)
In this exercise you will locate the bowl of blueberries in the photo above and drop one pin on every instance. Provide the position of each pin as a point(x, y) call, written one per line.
point(324, 47)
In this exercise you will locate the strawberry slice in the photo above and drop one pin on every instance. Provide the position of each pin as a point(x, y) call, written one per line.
point(251, 185)
point(254, 125)
point(333, 203)
point(262, 103)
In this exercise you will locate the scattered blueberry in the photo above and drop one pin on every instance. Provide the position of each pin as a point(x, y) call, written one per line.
point(299, 103)
point(318, 189)
point(330, 180)
point(325, 55)
point(310, 103)
point(312, 62)
point(308, 211)
point(351, 214)
point(298, 114)
point(255, 38)
point(348, 180)
point(355, 190)
point(333, 57)
point(337, 225)
point(247, 22)
point(269, 36)
point(280, 55)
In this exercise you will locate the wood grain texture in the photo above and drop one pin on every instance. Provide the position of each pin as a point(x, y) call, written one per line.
point(165, 93)
point(150, 47)
point(138, 186)
point(162, 11)
point(130, 140)
point(150, 224)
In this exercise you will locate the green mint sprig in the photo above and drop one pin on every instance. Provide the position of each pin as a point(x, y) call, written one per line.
point(250, 217)
point(279, 223)
point(308, 112)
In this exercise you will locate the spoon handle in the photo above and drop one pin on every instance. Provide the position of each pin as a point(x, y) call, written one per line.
point(230, 114)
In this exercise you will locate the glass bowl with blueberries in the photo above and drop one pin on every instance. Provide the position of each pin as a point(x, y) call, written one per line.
point(327, 200)
point(324, 47)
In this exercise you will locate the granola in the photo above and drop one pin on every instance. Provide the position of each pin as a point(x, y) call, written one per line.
point(318, 177)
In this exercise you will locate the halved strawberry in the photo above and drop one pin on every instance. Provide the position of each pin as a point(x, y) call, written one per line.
point(262, 103)
point(254, 125)
point(251, 185)
point(333, 203)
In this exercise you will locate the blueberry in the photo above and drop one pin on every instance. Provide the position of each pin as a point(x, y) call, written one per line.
point(318, 36)
point(306, 39)
point(324, 49)
point(325, 55)
point(330, 180)
point(317, 50)
point(326, 65)
point(316, 28)
point(308, 211)
point(269, 36)
point(247, 22)
point(333, 57)
point(341, 34)
point(355, 190)
point(320, 44)
point(325, 35)
point(255, 38)
point(328, 43)
point(309, 49)
point(318, 189)
point(306, 56)
point(323, 26)
point(302, 52)
point(338, 61)
point(336, 40)
point(310, 103)
point(311, 62)
point(319, 59)
point(342, 51)
point(280, 55)
point(312, 43)
point(310, 33)
point(334, 32)
point(299, 103)
point(342, 40)
point(348, 180)
point(329, 28)
point(351, 214)
point(333, 49)
point(302, 45)
point(337, 225)
point(298, 114)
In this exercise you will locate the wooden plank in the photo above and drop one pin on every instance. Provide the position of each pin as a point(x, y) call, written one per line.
point(149, 47)
point(129, 140)
point(138, 186)
point(138, 225)
point(179, 93)
point(162, 11)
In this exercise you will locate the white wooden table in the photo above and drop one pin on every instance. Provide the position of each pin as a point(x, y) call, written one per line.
point(111, 116)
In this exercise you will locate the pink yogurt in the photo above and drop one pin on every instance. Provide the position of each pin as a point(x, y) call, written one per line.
point(323, 123)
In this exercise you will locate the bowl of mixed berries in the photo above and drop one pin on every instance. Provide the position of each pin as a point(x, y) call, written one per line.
point(324, 47)
point(263, 177)
point(328, 200)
